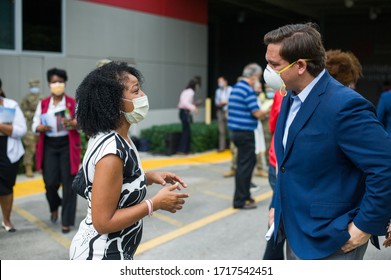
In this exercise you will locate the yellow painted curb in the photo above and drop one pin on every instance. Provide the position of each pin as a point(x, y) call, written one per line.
point(35, 186)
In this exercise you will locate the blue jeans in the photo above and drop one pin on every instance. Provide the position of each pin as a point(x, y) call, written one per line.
point(185, 140)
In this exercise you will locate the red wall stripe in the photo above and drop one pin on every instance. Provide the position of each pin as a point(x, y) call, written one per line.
point(190, 10)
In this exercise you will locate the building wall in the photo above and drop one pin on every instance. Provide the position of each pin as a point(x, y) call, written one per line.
point(167, 50)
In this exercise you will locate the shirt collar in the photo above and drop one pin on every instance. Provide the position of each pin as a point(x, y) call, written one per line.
point(62, 101)
point(304, 93)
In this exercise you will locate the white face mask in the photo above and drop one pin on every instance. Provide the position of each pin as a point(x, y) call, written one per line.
point(140, 111)
point(57, 88)
point(273, 79)
point(34, 89)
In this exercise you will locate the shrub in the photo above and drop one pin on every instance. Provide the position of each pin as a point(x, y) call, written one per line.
point(203, 137)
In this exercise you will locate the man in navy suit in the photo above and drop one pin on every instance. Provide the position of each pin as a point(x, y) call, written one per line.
point(384, 110)
point(333, 187)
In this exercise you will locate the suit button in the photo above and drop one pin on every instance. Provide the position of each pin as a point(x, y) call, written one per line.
point(282, 169)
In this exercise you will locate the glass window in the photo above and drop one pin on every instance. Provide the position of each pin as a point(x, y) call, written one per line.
point(41, 26)
point(7, 28)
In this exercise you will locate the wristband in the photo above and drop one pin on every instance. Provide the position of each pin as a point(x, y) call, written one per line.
point(150, 207)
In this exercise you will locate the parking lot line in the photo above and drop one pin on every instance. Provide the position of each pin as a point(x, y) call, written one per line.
point(148, 245)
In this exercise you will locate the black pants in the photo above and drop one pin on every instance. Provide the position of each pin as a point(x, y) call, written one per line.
point(8, 170)
point(185, 140)
point(245, 143)
point(272, 251)
point(56, 171)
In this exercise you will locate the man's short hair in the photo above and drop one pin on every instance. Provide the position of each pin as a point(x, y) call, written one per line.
point(252, 69)
point(102, 62)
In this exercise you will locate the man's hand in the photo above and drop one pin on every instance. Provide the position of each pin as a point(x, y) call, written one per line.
point(387, 242)
point(260, 114)
point(357, 238)
point(271, 216)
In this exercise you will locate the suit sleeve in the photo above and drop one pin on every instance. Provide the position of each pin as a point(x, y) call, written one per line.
point(381, 111)
point(365, 142)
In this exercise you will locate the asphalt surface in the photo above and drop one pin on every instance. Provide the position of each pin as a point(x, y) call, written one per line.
point(208, 228)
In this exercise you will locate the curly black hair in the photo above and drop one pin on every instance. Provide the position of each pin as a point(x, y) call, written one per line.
point(99, 97)
point(58, 72)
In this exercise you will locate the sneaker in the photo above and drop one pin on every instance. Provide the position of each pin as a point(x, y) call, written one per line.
point(230, 173)
point(261, 173)
point(254, 187)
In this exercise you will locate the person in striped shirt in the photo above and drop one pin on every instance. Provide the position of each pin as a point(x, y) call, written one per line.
point(243, 116)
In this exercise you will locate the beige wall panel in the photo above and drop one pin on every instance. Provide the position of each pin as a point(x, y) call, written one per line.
point(100, 30)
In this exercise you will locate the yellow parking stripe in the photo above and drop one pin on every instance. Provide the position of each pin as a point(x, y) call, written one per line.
point(167, 219)
point(66, 243)
point(145, 246)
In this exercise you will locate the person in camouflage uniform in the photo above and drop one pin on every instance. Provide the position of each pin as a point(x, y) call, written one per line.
point(28, 106)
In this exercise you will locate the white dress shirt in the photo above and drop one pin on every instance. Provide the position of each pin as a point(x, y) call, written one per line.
point(222, 95)
point(186, 100)
point(51, 110)
point(296, 104)
point(15, 148)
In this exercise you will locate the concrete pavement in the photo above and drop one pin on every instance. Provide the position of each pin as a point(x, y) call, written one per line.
point(208, 228)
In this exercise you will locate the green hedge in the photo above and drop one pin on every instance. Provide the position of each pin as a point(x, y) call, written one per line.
point(203, 137)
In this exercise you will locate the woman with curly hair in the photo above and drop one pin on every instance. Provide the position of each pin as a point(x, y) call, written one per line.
point(110, 100)
point(344, 66)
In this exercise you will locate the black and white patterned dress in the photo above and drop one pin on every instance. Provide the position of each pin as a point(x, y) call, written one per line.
point(88, 243)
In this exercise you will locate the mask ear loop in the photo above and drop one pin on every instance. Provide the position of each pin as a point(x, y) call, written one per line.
point(283, 92)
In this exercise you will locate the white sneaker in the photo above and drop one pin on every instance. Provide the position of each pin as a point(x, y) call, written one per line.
point(254, 187)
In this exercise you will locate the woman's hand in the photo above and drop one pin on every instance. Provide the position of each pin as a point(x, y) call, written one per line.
point(162, 178)
point(69, 124)
point(168, 200)
point(6, 129)
point(43, 128)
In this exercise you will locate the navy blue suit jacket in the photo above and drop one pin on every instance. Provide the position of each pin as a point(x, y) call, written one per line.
point(384, 110)
point(336, 169)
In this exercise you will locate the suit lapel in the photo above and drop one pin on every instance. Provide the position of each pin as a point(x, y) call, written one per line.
point(306, 110)
point(279, 133)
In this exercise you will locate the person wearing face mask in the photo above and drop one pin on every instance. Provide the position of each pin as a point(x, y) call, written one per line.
point(29, 105)
point(110, 100)
point(58, 151)
point(333, 155)
point(221, 102)
point(243, 116)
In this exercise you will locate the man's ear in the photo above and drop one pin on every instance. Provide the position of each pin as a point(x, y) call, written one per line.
point(302, 65)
